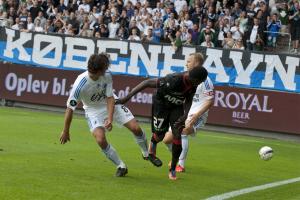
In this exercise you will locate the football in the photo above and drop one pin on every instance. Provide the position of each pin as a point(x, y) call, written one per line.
point(266, 153)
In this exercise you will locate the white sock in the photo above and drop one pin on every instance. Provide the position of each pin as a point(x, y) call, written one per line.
point(142, 142)
point(185, 148)
point(169, 146)
point(112, 155)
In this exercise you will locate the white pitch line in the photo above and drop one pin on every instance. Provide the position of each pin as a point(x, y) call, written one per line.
point(252, 189)
point(252, 140)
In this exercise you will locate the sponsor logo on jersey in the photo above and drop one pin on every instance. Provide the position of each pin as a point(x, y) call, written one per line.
point(174, 100)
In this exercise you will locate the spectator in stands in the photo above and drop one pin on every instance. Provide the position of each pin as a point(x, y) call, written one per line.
point(274, 26)
point(49, 26)
point(85, 31)
point(179, 5)
point(149, 36)
point(16, 26)
point(207, 43)
point(13, 14)
point(189, 41)
point(122, 33)
point(41, 18)
point(84, 6)
point(237, 33)
point(97, 34)
point(207, 31)
point(196, 15)
point(30, 25)
point(34, 10)
point(38, 26)
point(157, 32)
point(123, 19)
point(104, 31)
point(294, 17)
point(243, 21)
point(255, 32)
point(23, 15)
point(134, 35)
point(187, 22)
point(176, 43)
point(113, 26)
point(238, 44)
point(195, 33)
point(4, 21)
point(221, 33)
point(184, 33)
point(283, 17)
point(94, 15)
point(259, 44)
point(228, 41)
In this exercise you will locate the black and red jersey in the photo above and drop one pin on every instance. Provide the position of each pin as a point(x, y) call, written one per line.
point(173, 89)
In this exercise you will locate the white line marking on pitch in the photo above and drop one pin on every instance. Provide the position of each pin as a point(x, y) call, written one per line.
point(251, 140)
point(252, 189)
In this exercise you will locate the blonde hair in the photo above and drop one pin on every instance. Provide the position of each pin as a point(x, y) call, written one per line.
point(199, 58)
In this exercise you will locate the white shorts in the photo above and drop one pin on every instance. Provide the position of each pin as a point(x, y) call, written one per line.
point(122, 115)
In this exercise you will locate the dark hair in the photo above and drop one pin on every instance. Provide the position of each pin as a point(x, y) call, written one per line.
point(198, 73)
point(98, 62)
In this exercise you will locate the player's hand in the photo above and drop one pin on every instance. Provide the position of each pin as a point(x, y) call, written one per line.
point(190, 122)
point(108, 124)
point(64, 137)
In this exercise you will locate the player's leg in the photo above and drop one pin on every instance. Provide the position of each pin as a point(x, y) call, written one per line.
point(96, 126)
point(123, 115)
point(168, 140)
point(185, 142)
point(160, 125)
point(176, 146)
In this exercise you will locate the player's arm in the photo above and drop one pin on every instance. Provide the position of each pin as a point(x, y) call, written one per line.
point(206, 105)
point(65, 135)
point(180, 123)
point(72, 103)
point(110, 113)
point(149, 83)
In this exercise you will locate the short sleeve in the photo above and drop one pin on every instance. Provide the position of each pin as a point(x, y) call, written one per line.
point(74, 97)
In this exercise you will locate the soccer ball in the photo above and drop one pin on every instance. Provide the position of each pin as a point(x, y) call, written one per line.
point(266, 153)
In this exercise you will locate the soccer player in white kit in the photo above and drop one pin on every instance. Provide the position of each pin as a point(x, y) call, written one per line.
point(94, 89)
point(202, 101)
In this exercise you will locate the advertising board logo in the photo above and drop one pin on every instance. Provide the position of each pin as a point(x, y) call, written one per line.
point(242, 105)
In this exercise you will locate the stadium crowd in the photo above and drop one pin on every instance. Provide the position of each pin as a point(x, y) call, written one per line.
point(239, 24)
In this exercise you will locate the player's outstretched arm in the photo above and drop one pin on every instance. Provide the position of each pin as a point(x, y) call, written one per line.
point(65, 135)
point(149, 83)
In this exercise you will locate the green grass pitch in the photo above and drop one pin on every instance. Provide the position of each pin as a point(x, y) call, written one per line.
point(34, 165)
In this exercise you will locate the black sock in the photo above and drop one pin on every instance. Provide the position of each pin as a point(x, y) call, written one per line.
point(153, 144)
point(176, 151)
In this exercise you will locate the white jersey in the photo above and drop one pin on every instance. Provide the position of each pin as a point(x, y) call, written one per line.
point(205, 91)
point(91, 93)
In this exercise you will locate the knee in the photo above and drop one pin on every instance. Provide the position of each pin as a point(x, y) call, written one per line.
point(168, 138)
point(100, 138)
point(134, 128)
point(157, 137)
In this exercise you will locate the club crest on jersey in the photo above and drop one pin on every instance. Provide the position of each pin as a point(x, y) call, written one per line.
point(73, 103)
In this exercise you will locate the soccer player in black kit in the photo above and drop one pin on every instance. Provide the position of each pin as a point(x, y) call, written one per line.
point(171, 104)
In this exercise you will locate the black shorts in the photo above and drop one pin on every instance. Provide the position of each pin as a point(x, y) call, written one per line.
point(164, 116)
point(295, 30)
